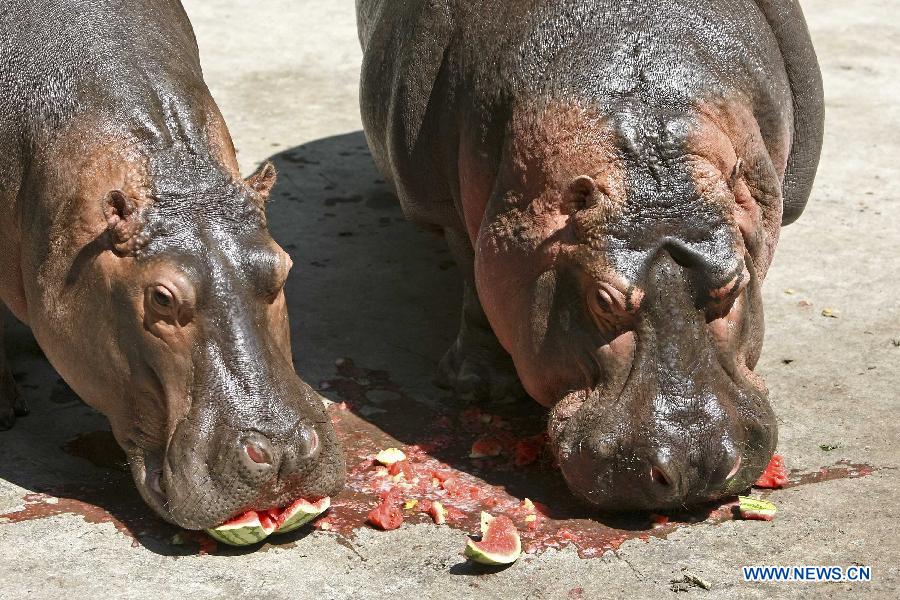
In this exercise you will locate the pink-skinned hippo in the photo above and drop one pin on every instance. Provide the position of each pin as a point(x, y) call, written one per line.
point(141, 260)
point(612, 178)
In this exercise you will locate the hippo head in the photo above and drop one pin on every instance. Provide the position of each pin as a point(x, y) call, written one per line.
point(205, 401)
point(620, 262)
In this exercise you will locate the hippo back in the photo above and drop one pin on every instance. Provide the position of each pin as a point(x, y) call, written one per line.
point(481, 59)
point(63, 57)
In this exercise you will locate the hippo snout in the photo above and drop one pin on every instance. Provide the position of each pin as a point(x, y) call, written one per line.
point(637, 475)
point(689, 421)
point(212, 470)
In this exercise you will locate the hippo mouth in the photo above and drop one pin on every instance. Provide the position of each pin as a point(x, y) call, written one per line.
point(209, 473)
point(147, 472)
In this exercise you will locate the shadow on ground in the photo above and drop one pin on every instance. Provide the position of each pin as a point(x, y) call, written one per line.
point(374, 302)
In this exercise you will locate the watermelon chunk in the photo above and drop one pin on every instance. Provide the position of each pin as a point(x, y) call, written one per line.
point(249, 528)
point(387, 514)
point(485, 447)
point(500, 543)
point(775, 475)
point(437, 512)
point(389, 456)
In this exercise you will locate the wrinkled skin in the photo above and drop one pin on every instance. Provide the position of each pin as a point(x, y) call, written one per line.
point(612, 178)
point(142, 261)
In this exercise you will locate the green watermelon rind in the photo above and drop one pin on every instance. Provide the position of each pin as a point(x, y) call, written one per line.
point(240, 535)
point(252, 530)
point(301, 517)
point(473, 552)
point(756, 506)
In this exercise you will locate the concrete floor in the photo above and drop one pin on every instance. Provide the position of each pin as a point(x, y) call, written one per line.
point(369, 286)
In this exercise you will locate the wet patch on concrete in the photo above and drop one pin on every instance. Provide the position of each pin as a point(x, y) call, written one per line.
point(517, 476)
point(468, 458)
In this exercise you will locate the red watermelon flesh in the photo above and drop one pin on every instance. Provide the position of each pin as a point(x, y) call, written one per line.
point(775, 475)
point(250, 518)
point(262, 523)
point(500, 543)
point(387, 515)
point(485, 447)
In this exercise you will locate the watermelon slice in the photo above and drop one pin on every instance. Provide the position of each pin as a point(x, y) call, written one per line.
point(256, 525)
point(499, 545)
point(249, 528)
point(300, 513)
point(754, 509)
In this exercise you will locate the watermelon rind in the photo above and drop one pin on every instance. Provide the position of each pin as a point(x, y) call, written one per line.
point(755, 507)
point(484, 557)
point(244, 531)
point(300, 513)
point(389, 456)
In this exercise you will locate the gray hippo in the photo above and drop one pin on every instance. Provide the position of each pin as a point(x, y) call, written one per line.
point(141, 260)
point(612, 178)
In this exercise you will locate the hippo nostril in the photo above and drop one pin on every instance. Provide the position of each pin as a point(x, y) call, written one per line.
point(307, 442)
point(257, 453)
point(659, 477)
point(313, 442)
point(734, 469)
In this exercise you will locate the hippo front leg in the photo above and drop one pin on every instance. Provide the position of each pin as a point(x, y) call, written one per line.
point(12, 404)
point(476, 365)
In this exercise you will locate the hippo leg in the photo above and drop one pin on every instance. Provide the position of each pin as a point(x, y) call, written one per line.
point(12, 404)
point(476, 366)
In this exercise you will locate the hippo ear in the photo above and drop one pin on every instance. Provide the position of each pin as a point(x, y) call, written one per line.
point(123, 220)
point(263, 180)
point(583, 192)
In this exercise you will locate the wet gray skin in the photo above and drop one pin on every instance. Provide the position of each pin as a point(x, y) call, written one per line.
point(612, 179)
point(142, 261)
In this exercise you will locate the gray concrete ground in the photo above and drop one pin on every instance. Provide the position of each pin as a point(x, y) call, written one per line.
point(368, 285)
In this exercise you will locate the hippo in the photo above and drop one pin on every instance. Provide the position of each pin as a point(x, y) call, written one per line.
point(611, 178)
point(142, 262)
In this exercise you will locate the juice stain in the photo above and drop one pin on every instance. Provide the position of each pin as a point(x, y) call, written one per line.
point(469, 458)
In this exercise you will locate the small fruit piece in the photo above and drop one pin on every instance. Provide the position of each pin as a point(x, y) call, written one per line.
point(754, 509)
point(386, 515)
point(389, 456)
point(484, 447)
point(500, 543)
point(300, 513)
point(438, 513)
point(774, 476)
point(659, 521)
point(410, 504)
point(401, 470)
point(249, 528)
point(529, 449)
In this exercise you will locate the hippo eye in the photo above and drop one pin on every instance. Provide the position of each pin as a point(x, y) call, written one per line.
point(162, 300)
